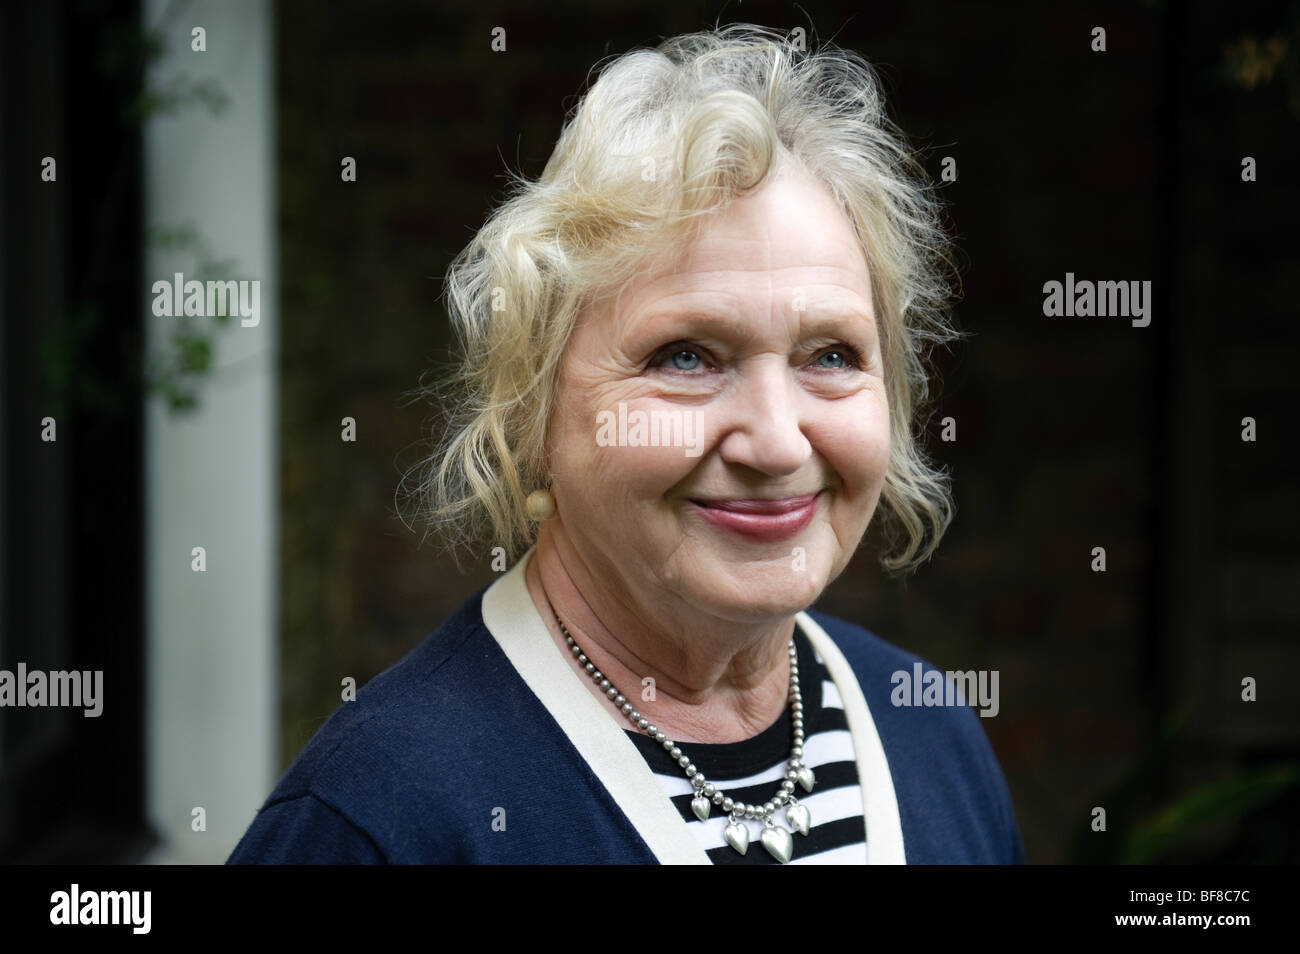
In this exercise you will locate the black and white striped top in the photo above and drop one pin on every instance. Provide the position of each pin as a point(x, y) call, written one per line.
point(751, 770)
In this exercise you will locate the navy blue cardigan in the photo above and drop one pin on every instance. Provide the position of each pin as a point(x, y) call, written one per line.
point(449, 756)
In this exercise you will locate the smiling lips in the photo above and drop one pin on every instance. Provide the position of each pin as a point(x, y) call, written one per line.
point(761, 519)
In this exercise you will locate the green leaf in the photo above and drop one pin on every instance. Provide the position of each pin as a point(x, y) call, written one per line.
point(1224, 800)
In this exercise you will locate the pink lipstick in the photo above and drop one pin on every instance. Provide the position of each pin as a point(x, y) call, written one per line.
point(761, 519)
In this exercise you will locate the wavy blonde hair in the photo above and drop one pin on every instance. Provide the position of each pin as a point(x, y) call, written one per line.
point(663, 137)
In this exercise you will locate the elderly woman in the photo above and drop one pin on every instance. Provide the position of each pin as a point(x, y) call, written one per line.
point(691, 361)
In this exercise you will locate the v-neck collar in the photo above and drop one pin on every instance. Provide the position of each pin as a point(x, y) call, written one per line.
point(514, 622)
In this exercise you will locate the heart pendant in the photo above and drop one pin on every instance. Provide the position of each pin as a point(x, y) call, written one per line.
point(798, 818)
point(700, 805)
point(806, 778)
point(779, 843)
point(737, 836)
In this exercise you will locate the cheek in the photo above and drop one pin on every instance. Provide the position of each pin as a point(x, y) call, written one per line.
point(622, 452)
point(853, 438)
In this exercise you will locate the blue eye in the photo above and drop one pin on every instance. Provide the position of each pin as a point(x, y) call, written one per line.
point(833, 354)
point(845, 356)
point(680, 357)
point(691, 362)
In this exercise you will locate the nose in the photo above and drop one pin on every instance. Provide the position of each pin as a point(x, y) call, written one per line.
point(762, 423)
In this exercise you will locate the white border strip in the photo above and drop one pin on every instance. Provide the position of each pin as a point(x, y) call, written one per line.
point(884, 828)
point(513, 620)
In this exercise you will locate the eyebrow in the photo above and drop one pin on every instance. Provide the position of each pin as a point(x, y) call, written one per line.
point(815, 319)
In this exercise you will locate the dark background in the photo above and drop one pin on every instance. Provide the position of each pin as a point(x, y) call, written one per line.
point(1119, 689)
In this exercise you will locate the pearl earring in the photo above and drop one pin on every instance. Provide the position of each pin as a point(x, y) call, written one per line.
point(540, 505)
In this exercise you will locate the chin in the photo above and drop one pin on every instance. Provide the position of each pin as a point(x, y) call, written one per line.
point(760, 589)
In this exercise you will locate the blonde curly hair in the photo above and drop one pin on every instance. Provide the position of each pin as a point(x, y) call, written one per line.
point(663, 137)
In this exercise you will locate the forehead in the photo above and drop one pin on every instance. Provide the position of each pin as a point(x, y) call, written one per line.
point(790, 233)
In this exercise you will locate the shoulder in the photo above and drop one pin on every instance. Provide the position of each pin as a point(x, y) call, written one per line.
point(425, 764)
point(396, 709)
point(396, 744)
point(883, 669)
point(944, 769)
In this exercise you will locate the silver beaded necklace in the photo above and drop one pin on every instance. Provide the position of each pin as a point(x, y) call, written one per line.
point(778, 841)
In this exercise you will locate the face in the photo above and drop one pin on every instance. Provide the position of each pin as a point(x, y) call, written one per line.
point(721, 428)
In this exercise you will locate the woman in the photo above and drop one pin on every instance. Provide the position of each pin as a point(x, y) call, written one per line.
point(691, 363)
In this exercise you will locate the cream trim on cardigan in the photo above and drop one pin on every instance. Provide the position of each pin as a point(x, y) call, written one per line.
point(513, 620)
